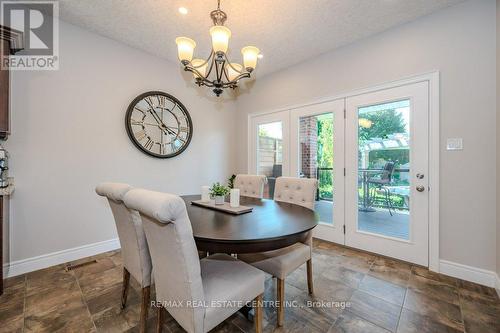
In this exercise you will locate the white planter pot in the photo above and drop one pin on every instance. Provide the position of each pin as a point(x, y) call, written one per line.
point(219, 200)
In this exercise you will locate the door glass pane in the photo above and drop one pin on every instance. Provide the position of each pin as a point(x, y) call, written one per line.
point(384, 168)
point(316, 159)
point(270, 154)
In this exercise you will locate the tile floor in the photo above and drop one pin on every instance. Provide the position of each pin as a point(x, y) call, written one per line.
point(367, 293)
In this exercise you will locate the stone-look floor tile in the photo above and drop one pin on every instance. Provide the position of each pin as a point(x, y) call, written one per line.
point(94, 284)
point(481, 312)
point(292, 325)
point(391, 270)
point(324, 245)
point(12, 304)
point(74, 319)
point(53, 300)
point(111, 298)
point(477, 288)
point(387, 291)
point(101, 265)
point(322, 262)
point(411, 322)
point(14, 281)
point(315, 312)
point(432, 288)
point(59, 299)
point(244, 324)
point(375, 310)
point(298, 278)
point(14, 325)
point(332, 291)
point(115, 319)
point(12, 299)
point(349, 323)
point(49, 278)
point(150, 327)
point(424, 272)
point(354, 260)
point(347, 276)
point(438, 310)
point(226, 327)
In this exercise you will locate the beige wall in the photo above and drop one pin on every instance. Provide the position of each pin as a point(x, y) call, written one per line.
point(460, 43)
point(69, 135)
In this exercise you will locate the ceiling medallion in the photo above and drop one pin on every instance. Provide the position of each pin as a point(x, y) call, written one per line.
point(217, 71)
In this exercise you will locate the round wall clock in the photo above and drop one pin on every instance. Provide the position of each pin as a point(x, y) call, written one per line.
point(158, 124)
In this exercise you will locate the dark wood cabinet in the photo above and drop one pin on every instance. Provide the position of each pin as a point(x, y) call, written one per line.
point(4, 93)
point(11, 41)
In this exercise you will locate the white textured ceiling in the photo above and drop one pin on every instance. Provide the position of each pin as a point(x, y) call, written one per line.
point(286, 31)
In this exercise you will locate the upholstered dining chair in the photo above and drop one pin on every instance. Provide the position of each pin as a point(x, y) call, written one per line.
point(250, 185)
point(134, 247)
point(191, 289)
point(279, 263)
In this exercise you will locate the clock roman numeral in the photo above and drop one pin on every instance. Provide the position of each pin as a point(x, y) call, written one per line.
point(140, 135)
point(136, 122)
point(149, 144)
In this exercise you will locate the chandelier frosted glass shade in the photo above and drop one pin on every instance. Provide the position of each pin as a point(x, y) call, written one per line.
point(201, 66)
point(217, 71)
point(220, 38)
point(233, 70)
point(250, 55)
point(185, 48)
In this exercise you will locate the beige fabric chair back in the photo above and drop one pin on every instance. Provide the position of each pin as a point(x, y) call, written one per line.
point(299, 191)
point(177, 272)
point(134, 247)
point(250, 185)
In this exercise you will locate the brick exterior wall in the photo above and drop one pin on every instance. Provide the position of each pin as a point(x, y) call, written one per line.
point(308, 136)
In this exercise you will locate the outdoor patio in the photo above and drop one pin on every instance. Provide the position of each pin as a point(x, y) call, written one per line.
point(378, 222)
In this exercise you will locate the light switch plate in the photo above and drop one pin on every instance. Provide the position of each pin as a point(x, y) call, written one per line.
point(454, 144)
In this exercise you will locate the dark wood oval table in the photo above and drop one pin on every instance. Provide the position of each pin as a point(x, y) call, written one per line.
point(271, 225)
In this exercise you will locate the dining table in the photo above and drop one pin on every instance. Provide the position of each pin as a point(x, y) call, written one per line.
point(270, 225)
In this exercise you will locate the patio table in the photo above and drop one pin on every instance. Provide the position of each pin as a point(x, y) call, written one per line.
point(366, 204)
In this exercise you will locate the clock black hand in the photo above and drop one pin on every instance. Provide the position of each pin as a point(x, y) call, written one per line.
point(158, 120)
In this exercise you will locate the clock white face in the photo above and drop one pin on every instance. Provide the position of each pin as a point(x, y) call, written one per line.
point(158, 124)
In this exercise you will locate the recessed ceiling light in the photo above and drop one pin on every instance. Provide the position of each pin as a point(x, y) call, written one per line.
point(260, 56)
point(183, 10)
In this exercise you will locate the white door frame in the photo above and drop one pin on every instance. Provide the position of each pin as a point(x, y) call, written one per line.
point(326, 230)
point(265, 118)
point(434, 144)
point(415, 249)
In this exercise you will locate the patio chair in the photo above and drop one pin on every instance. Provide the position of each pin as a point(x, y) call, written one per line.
point(277, 172)
point(381, 182)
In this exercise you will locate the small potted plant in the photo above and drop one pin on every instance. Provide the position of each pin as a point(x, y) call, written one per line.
point(219, 192)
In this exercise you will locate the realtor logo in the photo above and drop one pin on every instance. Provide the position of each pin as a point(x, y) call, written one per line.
point(38, 21)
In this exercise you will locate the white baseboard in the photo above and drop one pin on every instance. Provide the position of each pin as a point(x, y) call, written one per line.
point(55, 258)
point(469, 273)
point(497, 287)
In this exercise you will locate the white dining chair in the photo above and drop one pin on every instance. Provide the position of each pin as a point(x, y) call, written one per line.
point(250, 185)
point(181, 278)
point(279, 263)
point(134, 246)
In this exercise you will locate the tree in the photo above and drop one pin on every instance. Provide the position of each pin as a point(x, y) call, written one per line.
point(325, 143)
point(383, 123)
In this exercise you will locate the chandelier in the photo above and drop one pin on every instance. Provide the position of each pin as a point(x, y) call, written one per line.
point(217, 71)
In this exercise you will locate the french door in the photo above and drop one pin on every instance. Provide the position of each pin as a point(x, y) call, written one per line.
point(269, 147)
point(369, 153)
point(317, 151)
point(387, 178)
